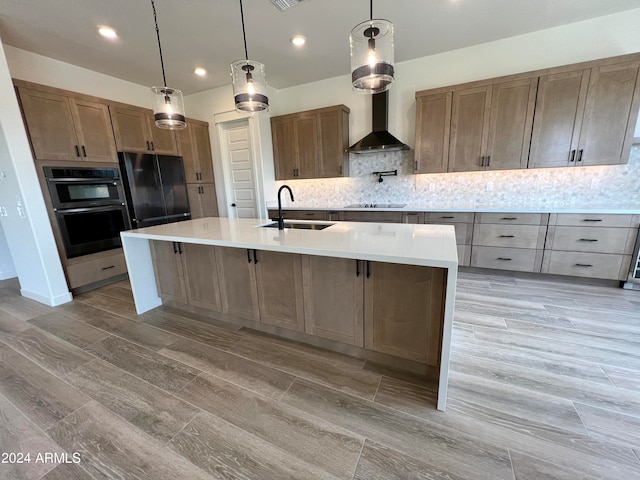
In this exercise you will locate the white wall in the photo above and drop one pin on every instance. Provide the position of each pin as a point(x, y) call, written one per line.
point(601, 37)
point(47, 71)
point(7, 269)
point(26, 226)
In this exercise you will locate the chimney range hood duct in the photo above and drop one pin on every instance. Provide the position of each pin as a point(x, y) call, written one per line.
point(379, 140)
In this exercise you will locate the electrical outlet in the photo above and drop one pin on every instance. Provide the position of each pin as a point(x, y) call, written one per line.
point(3, 211)
point(489, 186)
point(432, 187)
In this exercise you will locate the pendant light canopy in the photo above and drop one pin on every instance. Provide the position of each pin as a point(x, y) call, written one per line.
point(372, 55)
point(168, 106)
point(249, 80)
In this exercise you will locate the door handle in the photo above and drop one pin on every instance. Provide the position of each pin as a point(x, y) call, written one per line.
point(179, 247)
point(488, 160)
point(482, 161)
point(233, 204)
point(84, 151)
point(148, 145)
point(249, 255)
point(175, 248)
point(255, 256)
point(152, 147)
point(357, 268)
point(368, 268)
point(580, 152)
point(77, 151)
point(572, 157)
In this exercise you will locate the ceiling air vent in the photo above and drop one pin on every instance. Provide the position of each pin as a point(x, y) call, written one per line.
point(285, 4)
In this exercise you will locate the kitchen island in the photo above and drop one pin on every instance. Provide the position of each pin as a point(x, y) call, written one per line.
point(384, 292)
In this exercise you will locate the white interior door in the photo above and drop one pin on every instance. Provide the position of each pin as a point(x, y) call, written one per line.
point(243, 201)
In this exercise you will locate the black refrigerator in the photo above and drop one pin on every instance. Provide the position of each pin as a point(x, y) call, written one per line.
point(155, 187)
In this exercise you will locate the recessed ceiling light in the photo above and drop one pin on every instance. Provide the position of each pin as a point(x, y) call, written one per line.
point(298, 40)
point(200, 71)
point(107, 32)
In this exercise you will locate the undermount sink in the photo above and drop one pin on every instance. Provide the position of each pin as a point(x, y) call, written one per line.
point(300, 226)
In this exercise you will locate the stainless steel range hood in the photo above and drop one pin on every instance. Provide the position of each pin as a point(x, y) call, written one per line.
point(379, 140)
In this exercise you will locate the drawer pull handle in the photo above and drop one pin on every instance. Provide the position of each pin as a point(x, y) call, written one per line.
point(509, 218)
point(310, 214)
point(507, 236)
point(447, 216)
point(588, 240)
point(586, 265)
point(109, 267)
point(504, 259)
point(592, 220)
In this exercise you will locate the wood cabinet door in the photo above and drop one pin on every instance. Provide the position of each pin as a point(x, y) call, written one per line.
point(334, 298)
point(187, 152)
point(194, 196)
point(610, 115)
point(469, 129)
point(306, 145)
point(237, 276)
point(403, 310)
point(163, 141)
point(433, 123)
point(169, 273)
point(379, 217)
point(208, 200)
point(202, 148)
point(284, 149)
point(201, 276)
point(131, 129)
point(558, 119)
point(50, 125)
point(279, 280)
point(510, 121)
point(332, 143)
point(94, 131)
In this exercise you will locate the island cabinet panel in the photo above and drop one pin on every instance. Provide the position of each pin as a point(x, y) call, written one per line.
point(403, 308)
point(201, 276)
point(237, 276)
point(169, 271)
point(279, 282)
point(334, 298)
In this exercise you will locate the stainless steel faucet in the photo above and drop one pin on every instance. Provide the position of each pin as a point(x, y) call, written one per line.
point(280, 217)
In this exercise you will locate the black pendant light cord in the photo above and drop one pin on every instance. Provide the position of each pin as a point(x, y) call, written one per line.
point(155, 19)
point(371, 9)
point(244, 34)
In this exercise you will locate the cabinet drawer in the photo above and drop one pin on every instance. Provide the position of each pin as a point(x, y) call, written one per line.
point(304, 214)
point(464, 255)
point(381, 217)
point(590, 239)
point(91, 271)
point(594, 220)
point(513, 218)
point(516, 236)
point(590, 265)
point(520, 259)
point(449, 217)
point(463, 232)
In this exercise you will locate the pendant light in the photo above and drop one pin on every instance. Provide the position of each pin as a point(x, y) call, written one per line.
point(168, 107)
point(372, 55)
point(249, 80)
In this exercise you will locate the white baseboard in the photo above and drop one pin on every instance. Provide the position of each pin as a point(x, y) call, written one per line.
point(7, 274)
point(51, 301)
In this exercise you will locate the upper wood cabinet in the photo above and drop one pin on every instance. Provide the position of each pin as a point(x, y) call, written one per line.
point(194, 147)
point(62, 127)
point(586, 117)
point(491, 126)
point(135, 131)
point(580, 114)
point(433, 122)
point(311, 144)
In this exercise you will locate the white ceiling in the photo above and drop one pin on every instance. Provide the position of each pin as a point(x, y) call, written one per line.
point(208, 33)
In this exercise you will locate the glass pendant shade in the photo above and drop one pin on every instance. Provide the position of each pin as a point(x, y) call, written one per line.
point(249, 86)
point(168, 108)
point(372, 56)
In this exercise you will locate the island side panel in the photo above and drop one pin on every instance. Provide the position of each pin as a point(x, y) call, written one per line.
point(450, 298)
point(137, 253)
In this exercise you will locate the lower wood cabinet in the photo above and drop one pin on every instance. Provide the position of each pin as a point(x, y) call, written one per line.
point(334, 298)
point(187, 273)
point(238, 288)
point(279, 282)
point(403, 308)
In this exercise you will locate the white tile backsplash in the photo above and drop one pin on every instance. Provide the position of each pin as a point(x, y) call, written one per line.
point(615, 186)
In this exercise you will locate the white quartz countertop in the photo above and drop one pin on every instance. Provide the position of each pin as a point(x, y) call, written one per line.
point(427, 245)
point(603, 211)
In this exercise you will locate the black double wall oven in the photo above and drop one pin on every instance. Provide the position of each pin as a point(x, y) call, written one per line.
point(89, 205)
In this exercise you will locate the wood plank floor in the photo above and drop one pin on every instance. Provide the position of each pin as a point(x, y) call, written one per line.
point(545, 384)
